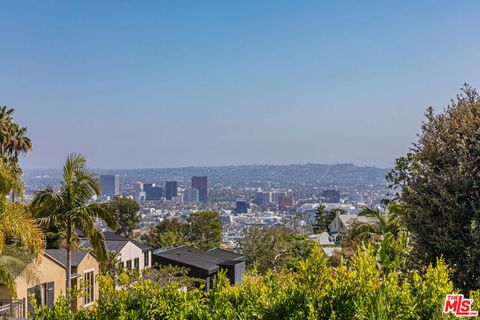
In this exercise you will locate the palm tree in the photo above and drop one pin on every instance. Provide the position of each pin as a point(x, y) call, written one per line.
point(18, 143)
point(70, 208)
point(6, 115)
point(16, 222)
point(383, 223)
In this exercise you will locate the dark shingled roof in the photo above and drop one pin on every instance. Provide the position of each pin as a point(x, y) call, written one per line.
point(115, 245)
point(60, 255)
point(142, 246)
point(194, 257)
point(226, 255)
point(109, 235)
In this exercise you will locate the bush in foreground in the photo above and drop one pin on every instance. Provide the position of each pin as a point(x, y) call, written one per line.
point(357, 289)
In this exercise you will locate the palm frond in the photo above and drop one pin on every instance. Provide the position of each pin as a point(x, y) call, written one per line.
point(7, 279)
point(17, 221)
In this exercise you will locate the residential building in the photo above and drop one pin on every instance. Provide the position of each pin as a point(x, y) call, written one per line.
point(201, 184)
point(85, 269)
point(342, 221)
point(47, 283)
point(204, 265)
point(131, 254)
point(110, 184)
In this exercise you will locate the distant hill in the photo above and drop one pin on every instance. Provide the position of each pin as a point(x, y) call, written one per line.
point(247, 175)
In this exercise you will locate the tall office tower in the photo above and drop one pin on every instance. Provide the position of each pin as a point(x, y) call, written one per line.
point(152, 192)
point(201, 183)
point(241, 206)
point(286, 201)
point(110, 184)
point(277, 194)
point(259, 197)
point(191, 195)
point(331, 196)
point(171, 189)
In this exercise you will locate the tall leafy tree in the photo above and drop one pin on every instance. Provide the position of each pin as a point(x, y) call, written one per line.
point(204, 230)
point(128, 216)
point(439, 188)
point(324, 217)
point(166, 233)
point(71, 209)
point(272, 248)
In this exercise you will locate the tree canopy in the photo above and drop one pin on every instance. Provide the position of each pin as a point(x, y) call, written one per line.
point(127, 212)
point(439, 187)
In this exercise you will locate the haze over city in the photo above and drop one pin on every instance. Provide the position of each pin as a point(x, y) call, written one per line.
point(173, 84)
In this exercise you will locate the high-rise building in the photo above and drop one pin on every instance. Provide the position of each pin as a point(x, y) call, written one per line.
point(201, 184)
point(277, 194)
point(152, 192)
point(286, 201)
point(110, 184)
point(331, 196)
point(191, 195)
point(171, 189)
point(241, 206)
point(263, 197)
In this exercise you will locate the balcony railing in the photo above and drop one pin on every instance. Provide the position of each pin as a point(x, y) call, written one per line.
point(11, 308)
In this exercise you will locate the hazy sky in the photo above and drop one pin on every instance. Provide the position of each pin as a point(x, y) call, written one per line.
point(174, 83)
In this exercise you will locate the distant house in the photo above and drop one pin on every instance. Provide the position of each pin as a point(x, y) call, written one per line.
point(325, 238)
point(204, 265)
point(131, 254)
point(85, 269)
point(342, 221)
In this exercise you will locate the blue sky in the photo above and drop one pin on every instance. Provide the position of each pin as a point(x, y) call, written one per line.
point(175, 83)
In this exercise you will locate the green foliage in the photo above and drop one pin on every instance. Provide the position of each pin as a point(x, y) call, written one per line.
point(70, 209)
point(440, 189)
point(127, 212)
point(272, 248)
point(204, 230)
point(16, 221)
point(357, 289)
point(166, 233)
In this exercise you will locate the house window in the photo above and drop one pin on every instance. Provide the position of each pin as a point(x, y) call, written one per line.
point(129, 264)
point(136, 263)
point(89, 283)
point(44, 294)
point(146, 255)
point(122, 265)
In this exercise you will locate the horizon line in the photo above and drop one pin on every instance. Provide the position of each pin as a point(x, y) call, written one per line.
point(225, 166)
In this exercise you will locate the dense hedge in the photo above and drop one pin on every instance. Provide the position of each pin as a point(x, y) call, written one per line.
point(312, 290)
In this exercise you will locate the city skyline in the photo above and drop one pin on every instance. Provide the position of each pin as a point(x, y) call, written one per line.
point(168, 84)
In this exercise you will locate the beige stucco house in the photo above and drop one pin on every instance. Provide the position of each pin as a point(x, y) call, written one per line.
point(85, 270)
point(45, 282)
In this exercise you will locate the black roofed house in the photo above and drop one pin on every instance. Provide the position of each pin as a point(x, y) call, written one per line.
point(203, 264)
